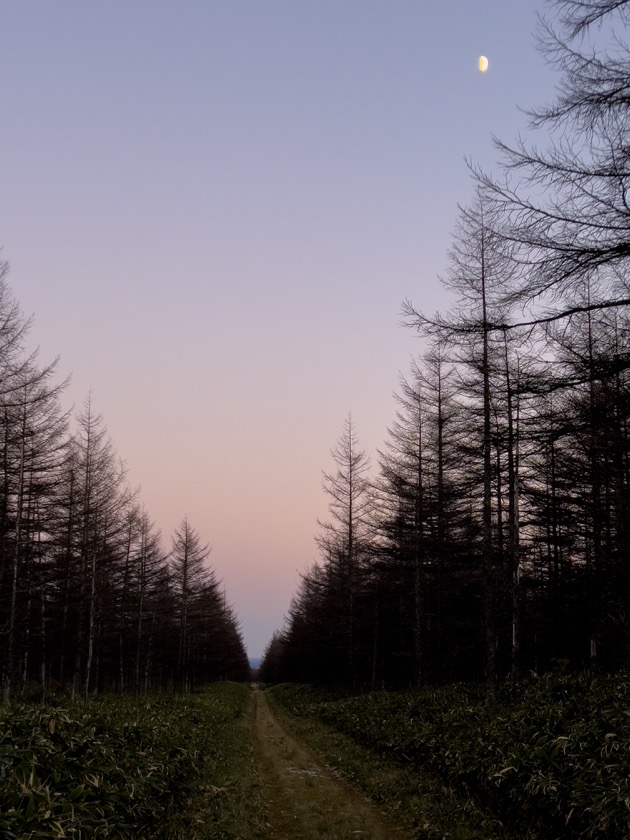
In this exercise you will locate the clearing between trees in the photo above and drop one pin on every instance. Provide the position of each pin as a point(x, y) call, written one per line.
point(545, 760)
point(303, 798)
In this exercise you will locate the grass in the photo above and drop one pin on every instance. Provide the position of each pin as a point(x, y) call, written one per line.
point(227, 802)
point(224, 801)
point(415, 799)
point(303, 799)
point(549, 758)
point(165, 766)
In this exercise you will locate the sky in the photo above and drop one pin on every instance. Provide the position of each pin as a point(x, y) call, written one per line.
point(214, 210)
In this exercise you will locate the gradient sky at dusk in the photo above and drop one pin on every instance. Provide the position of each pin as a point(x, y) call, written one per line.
point(214, 211)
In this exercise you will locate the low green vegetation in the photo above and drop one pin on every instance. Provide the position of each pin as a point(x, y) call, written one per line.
point(550, 759)
point(413, 797)
point(547, 760)
point(169, 766)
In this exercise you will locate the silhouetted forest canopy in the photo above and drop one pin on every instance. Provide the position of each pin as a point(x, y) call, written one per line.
point(90, 598)
point(492, 537)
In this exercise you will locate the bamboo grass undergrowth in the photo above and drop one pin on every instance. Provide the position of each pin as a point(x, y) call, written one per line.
point(415, 798)
point(166, 766)
point(548, 759)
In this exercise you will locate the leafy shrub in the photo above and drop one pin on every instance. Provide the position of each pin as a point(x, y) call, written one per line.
point(554, 753)
point(111, 768)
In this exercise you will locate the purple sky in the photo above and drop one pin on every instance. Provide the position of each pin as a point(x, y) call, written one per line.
point(214, 210)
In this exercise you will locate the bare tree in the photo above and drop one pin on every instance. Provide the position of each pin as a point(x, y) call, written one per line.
point(564, 207)
point(190, 574)
point(344, 539)
point(31, 429)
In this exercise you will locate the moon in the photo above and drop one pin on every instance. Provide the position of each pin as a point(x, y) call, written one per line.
point(483, 64)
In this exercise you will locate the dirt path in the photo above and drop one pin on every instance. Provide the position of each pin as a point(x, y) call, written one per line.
point(303, 798)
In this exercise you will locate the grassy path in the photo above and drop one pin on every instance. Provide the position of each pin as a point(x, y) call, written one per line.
point(303, 800)
point(417, 800)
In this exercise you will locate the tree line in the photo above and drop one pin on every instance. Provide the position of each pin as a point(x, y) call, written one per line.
point(493, 537)
point(90, 598)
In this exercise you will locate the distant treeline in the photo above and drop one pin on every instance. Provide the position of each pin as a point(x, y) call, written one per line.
point(494, 538)
point(90, 599)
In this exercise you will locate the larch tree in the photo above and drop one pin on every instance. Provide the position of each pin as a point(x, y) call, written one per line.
point(418, 521)
point(89, 600)
point(95, 498)
point(190, 575)
point(149, 566)
point(563, 206)
point(404, 501)
point(479, 269)
point(31, 430)
point(344, 540)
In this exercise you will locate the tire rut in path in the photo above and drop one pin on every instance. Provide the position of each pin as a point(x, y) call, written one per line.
point(304, 800)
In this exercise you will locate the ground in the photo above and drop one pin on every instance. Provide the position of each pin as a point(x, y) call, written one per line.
point(303, 798)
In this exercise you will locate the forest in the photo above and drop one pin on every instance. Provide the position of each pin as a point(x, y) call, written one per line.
point(488, 539)
point(459, 652)
point(90, 598)
point(490, 536)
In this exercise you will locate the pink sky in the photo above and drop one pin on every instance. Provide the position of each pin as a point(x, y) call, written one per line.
point(215, 209)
